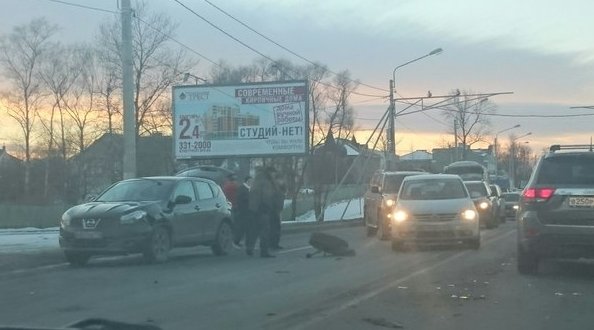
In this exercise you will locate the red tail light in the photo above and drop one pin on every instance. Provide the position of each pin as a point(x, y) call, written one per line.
point(538, 194)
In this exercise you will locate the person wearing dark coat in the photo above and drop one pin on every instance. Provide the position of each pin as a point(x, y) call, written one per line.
point(262, 199)
point(241, 210)
point(275, 219)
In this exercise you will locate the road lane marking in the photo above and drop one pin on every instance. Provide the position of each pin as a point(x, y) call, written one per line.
point(35, 269)
point(358, 300)
point(295, 249)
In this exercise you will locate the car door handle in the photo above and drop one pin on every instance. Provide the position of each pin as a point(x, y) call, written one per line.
point(197, 208)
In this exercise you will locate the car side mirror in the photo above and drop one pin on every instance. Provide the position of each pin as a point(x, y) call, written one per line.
point(90, 198)
point(182, 199)
point(494, 194)
point(375, 189)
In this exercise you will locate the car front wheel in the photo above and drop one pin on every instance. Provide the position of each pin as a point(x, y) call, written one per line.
point(159, 245)
point(223, 239)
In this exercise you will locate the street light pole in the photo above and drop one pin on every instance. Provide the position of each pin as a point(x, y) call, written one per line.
point(512, 160)
point(392, 109)
point(495, 144)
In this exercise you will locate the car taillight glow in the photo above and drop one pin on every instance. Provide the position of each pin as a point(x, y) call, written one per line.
point(531, 194)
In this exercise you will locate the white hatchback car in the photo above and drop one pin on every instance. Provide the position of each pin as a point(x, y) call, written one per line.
point(434, 209)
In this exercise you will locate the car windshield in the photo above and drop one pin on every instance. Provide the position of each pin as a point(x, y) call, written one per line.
point(137, 190)
point(392, 183)
point(476, 189)
point(511, 197)
point(432, 189)
point(567, 170)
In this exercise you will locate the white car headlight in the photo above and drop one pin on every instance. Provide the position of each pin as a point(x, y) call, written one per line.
point(516, 207)
point(400, 216)
point(390, 202)
point(469, 215)
point(484, 205)
point(133, 217)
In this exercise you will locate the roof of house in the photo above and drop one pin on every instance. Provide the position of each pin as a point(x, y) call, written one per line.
point(417, 155)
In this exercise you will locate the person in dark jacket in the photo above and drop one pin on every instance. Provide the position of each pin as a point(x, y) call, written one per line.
point(262, 205)
point(275, 218)
point(241, 210)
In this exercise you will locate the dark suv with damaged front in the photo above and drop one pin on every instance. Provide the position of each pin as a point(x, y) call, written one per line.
point(149, 216)
point(556, 209)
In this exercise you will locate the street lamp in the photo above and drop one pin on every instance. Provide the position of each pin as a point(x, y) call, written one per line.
point(512, 159)
point(392, 135)
point(495, 142)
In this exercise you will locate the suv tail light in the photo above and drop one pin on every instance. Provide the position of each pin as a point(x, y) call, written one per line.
point(537, 194)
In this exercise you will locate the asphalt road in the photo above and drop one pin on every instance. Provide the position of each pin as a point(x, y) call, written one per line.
point(445, 288)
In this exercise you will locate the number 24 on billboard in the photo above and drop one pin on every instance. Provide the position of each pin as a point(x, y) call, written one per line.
point(185, 128)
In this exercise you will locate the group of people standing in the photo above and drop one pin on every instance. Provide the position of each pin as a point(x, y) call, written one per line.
point(256, 206)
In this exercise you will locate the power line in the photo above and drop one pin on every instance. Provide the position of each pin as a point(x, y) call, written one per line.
point(281, 46)
point(255, 50)
point(177, 42)
point(84, 6)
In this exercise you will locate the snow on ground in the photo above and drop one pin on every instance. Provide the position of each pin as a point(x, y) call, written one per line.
point(30, 240)
point(334, 211)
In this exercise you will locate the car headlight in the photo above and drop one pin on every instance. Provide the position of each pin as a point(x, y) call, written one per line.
point(400, 216)
point(133, 217)
point(65, 222)
point(516, 207)
point(469, 215)
point(484, 205)
point(390, 202)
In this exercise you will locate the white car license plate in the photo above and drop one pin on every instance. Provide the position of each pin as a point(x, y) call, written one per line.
point(581, 201)
point(88, 235)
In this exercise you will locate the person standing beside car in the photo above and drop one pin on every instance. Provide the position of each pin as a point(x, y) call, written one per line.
point(275, 218)
point(262, 205)
point(230, 188)
point(241, 210)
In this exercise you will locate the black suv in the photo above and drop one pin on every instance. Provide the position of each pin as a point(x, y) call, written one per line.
point(556, 209)
point(380, 199)
point(150, 216)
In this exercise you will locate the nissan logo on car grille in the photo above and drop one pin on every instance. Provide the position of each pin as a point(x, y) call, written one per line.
point(90, 223)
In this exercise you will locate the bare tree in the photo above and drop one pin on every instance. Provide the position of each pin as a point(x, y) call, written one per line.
point(340, 120)
point(156, 65)
point(470, 117)
point(58, 74)
point(21, 52)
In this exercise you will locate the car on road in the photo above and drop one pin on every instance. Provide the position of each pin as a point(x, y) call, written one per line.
point(511, 200)
point(150, 216)
point(481, 194)
point(434, 209)
point(379, 201)
point(556, 211)
point(498, 202)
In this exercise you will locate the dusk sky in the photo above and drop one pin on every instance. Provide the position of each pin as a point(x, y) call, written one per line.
point(542, 51)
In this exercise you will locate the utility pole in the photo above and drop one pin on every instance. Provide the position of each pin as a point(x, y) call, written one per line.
point(456, 138)
point(129, 161)
point(391, 136)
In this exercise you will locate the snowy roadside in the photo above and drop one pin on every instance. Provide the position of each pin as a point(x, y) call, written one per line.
point(33, 240)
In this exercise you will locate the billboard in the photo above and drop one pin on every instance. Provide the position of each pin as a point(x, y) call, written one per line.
point(258, 119)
